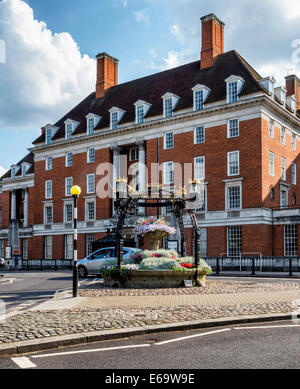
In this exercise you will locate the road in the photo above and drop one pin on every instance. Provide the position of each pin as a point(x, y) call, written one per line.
point(23, 290)
point(256, 346)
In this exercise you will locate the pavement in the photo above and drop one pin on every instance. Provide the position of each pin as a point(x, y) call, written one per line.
point(101, 313)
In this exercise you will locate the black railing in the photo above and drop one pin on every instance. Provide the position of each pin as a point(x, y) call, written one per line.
point(46, 264)
point(254, 265)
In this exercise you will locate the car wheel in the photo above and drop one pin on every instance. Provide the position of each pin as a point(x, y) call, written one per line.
point(82, 272)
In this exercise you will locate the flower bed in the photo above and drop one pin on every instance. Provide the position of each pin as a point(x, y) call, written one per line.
point(152, 269)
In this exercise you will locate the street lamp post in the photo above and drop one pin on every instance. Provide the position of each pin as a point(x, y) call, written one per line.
point(75, 192)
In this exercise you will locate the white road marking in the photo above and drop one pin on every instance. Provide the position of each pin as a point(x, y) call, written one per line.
point(23, 362)
point(261, 327)
point(191, 336)
point(90, 351)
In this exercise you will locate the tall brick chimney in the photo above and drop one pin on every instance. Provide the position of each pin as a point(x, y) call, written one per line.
point(107, 73)
point(212, 40)
point(293, 88)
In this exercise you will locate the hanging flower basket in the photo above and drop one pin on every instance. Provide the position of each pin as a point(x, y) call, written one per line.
point(154, 230)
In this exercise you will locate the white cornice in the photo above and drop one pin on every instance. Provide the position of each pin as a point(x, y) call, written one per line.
point(176, 118)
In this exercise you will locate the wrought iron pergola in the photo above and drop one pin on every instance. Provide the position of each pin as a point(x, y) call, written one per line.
point(128, 200)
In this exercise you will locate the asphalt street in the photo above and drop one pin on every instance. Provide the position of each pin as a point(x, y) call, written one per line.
point(24, 290)
point(256, 346)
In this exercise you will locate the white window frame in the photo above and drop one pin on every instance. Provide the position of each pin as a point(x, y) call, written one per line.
point(13, 171)
point(50, 206)
point(294, 138)
point(49, 166)
point(227, 198)
point(48, 253)
point(69, 128)
point(174, 100)
point(205, 93)
point(171, 146)
point(202, 135)
point(87, 202)
point(286, 197)
point(88, 243)
point(290, 238)
point(69, 246)
point(89, 155)
point(67, 204)
point(67, 160)
point(134, 154)
point(229, 129)
point(283, 135)
point(239, 81)
point(24, 248)
point(115, 111)
point(96, 119)
point(47, 189)
point(271, 164)
point(24, 168)
point(294, 173)
point(271, 128)
point(283, 169)
point(196, 169)
point(88, 183)
point(48, 135)
point(228, 163)
point(168, 171)
point(227, 240)
point(145, 106)
point(68, 194)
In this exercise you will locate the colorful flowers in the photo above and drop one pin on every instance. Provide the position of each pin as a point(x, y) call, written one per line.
point(152, 225)
point(187, 265)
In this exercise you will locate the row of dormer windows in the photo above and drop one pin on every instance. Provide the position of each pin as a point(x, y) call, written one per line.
point(170, 100)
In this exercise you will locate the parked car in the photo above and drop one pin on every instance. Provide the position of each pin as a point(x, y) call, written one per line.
point(91, 263)
point(2, 262)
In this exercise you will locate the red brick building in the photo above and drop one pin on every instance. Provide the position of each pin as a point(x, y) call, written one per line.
point(239, 133)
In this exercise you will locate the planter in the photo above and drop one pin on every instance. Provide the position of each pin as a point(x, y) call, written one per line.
point(155, 279)
point(155, 238)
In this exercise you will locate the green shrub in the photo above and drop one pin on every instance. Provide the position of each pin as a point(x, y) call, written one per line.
point(162, 252)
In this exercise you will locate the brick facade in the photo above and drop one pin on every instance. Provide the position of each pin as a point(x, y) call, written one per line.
point(260, 218)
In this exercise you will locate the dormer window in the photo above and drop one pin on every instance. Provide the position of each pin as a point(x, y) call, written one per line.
point(92, 121)
point(234, 87)
point(280, 93)
point(292, 103)
point(70, 127)
point(48, 136)
point(13, 170)
point(116, 115)
point(50, 131)
point(141, 110)
point(268, 83)
point(201, 93)
point(24, 168)
point(170, 102)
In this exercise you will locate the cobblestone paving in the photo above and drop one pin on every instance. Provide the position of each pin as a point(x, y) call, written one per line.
point(212, 287)
point(44, 324)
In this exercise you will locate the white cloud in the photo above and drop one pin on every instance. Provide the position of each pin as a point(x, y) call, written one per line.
point(2, 171)
point(45, 74)
point(176, 31)
point(141, 16)
point(173, 59)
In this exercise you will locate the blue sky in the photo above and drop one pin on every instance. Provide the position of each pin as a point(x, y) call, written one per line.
point(51, 46)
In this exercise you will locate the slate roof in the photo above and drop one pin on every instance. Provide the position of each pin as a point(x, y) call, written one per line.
point(179, 81)
point(28, 159)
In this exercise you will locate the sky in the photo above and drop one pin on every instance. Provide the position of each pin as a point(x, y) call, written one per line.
point(48, 49)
